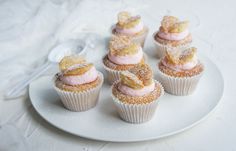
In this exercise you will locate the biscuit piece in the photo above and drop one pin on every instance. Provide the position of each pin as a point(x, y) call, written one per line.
point(177, 56)
point(167, 22)
point(78, 69)
point(69, 61)
point(187, 55)
point(119, 42)
point(144, 73)
point(123, 17)
point(122, 45)
point(171, 24)
point(125, 20)
point(131, 80)
point(179, 27)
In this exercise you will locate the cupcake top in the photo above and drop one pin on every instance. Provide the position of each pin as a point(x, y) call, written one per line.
point(180, 60)
point(128, 24)
point(173, 29)
point(123, 51)
point(181, 63)
point(137, 81)
point(76, 71)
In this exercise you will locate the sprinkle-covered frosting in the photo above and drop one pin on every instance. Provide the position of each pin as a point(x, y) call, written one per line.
point(173, 36)
point(138, 81)
point(173, 29)
point(137, 92)
point(87, 77)
point(180, 60)
point(78, 72)
point(128, 25)
point(123, 51)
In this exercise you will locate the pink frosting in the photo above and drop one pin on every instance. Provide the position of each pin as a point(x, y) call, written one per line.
point(173, 36)
point(187, 66)
point(128, 59)
point(87, 77)
point(130, 31)
point(139, 92)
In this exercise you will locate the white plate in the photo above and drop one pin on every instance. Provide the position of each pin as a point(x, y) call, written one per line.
point(174, 114)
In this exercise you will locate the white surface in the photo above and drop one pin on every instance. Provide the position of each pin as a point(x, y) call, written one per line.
point(29, 28)
point(174, 114)
point(72, 46)
point(62, 49)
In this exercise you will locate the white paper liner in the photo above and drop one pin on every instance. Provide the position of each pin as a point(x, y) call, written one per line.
point(178, 85)
point(112, 75)
point(80, 101)
point(139, 39)
point(137, 113)
point(161, 48)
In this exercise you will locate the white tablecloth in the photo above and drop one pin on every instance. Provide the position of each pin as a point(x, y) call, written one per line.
point(29, 28)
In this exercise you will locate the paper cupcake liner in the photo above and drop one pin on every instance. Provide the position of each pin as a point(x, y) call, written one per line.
point(179, 85)
point(137, 113)
point(80, 101)
point(161, 48)
point(139, 39)
point(112, 75)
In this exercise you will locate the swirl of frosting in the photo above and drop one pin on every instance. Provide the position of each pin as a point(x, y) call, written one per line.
point(130, 31)
point(87, 77)
point(173, 36)
point(136, 92)
point(127, 59)
point(180, 67)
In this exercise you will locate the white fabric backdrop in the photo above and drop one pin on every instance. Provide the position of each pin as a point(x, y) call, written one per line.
point(29, 28)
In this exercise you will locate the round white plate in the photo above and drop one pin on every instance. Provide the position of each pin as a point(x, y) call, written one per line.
point(174, 114)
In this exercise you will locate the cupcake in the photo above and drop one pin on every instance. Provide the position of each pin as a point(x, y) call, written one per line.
point(78, 84)
point(123, 54)
point(172, 33)
point(131, 26)
point(137, 94)
point(180, 71)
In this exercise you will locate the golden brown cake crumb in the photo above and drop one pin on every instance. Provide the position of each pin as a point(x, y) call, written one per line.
point(185, 73)
point(155, 94)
